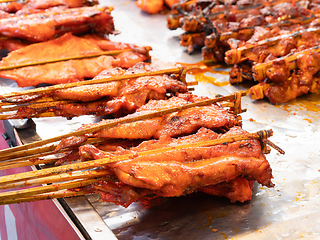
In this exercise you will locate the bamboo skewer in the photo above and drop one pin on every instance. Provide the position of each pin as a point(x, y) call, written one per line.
point(26, 163)
point(104, 161)
point(59, 178)
point(30, 161)
point(111, 52)
point(52, 195)
point(39, 115)
point(10, 101)
point(119, 121)
point(48, 188)
point(41, 151)
point(36, 105)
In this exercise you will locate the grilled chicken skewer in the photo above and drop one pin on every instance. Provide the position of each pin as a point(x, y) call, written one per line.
point(155, 111)
point(187, 152)
point(55, 66)
point(112, 97)
point(288, 77)
point(254, 169)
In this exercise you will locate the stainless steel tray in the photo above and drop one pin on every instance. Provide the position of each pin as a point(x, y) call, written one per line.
point(290, 210)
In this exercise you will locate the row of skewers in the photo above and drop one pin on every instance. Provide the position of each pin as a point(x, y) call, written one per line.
point(272, 44)
point(159, 139)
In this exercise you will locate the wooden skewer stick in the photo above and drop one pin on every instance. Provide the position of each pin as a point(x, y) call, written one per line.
point(16, 164)
point(52, 195)
point(47, 188)
point(59, 178)
point(41, 151)
point(176, 70)
point(39, 115)
point(36, 105)
point(102, 126)
point(104, 161)
point(12, 101)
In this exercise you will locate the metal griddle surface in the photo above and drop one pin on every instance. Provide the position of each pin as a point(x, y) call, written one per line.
point(290, 210)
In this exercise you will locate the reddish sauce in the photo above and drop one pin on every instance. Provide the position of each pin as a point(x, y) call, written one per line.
point(200, 74)
point(309, 103)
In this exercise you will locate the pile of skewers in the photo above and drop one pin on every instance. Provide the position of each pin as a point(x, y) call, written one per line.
point(159, 140)
point(268, 42)
point(161, 150)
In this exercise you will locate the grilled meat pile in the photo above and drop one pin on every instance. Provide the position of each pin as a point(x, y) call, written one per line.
point(248, 33)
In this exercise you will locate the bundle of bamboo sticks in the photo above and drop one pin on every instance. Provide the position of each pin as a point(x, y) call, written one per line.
point(63, 179)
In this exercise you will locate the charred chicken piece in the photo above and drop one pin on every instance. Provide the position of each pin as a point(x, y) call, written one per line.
point(286, 80)
point(223, 170)
point(176, 124)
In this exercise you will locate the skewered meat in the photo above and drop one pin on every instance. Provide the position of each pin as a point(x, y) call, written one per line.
point(113, 97)
point(48, 24)
point(287, 81)
point(245, 148)
point(155, 6)
point(65, 46)
point(179, 172)
point(122, 99)
point(270, 49)
point(151, 6)
point(169, 179)
point(249, 36)
point(219, 22)
point(238, 189)
point(176, 124)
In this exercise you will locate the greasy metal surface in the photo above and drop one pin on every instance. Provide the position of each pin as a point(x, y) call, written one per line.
point(90, 220)
point(290, 210)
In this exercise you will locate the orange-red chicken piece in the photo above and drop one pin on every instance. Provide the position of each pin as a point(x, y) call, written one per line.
point(227, 170)
point(65, 46)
